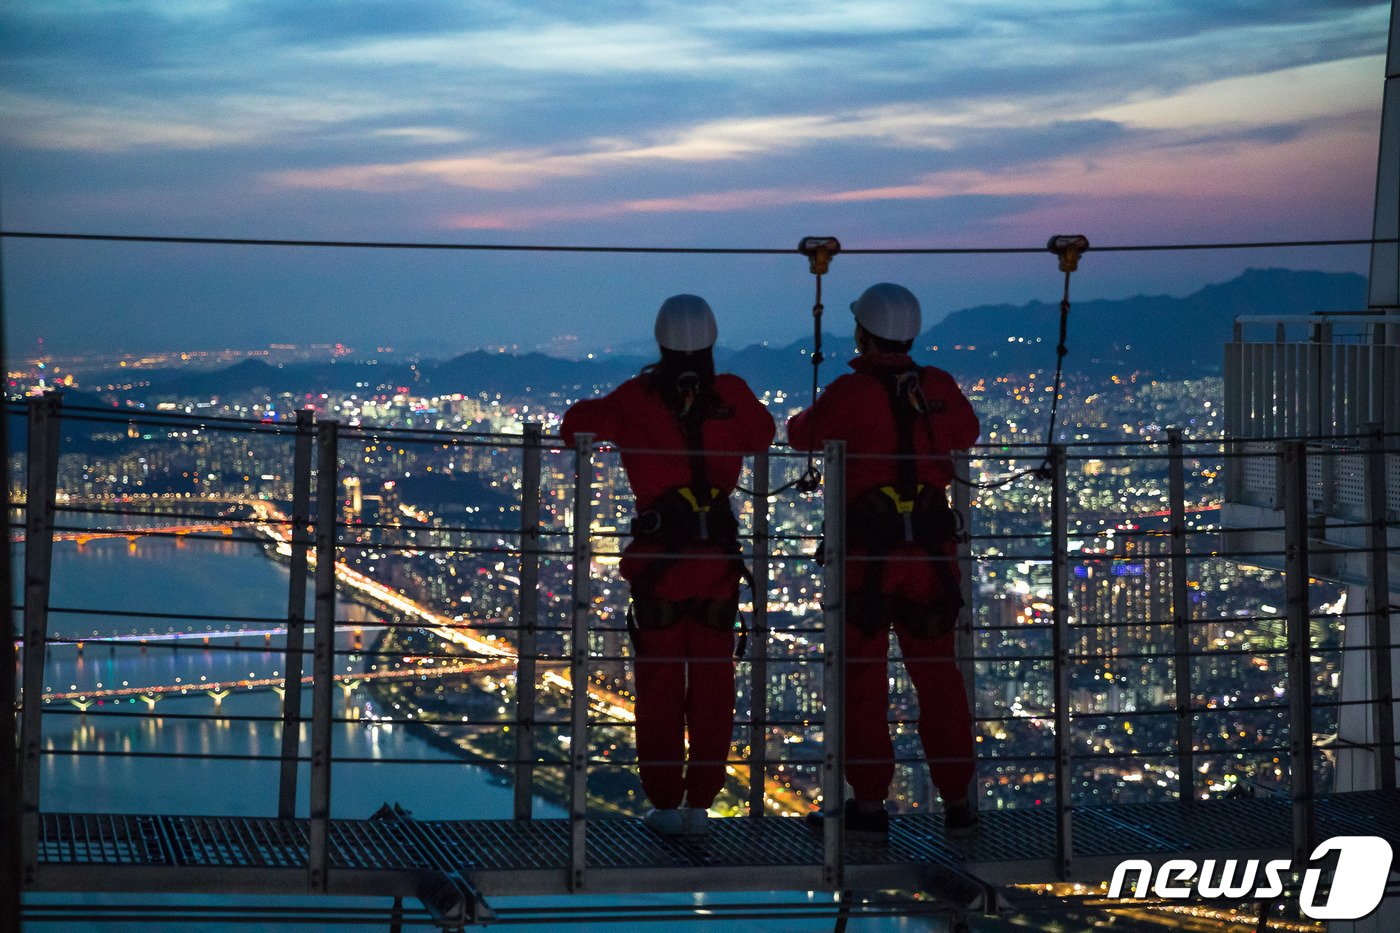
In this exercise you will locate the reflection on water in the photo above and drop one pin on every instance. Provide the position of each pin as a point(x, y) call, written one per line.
point(219, 579)
point(108, 577)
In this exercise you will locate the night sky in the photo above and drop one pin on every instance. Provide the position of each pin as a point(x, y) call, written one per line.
point(733, 124)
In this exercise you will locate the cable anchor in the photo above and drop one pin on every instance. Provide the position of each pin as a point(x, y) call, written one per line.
point(1069, 247)
point(819, 251)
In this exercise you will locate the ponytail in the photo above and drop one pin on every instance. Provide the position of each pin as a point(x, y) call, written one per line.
point(685, 381)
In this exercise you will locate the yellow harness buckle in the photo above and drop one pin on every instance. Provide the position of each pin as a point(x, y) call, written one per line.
point(688, 495)
point(902, 506)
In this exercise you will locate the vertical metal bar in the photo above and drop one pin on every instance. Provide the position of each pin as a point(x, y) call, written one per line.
point(1234, 379)
point(296, 615)
point(965, 641)
point(1295, 569)
point(528, 614)
point(834, 667)
point(1059, 543)
point(1181, 618)
point(1293, 388)
point(758, 641)
point(323, 657)
point(1354, 395)
point(1265, 377)
point(1326, 381)
point(578, 662)
point(10, 846)
point(1384, 289)
point(45, 413)
point(1378, 596)
point(1275, 353)
point(1312, 385)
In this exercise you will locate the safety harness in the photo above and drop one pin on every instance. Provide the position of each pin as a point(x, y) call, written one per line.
point(676, 522)
point(906, 513)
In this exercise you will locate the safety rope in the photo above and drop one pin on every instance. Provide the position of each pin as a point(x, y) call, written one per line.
point(1069, 248)
point(819, 251)
point(696, 250)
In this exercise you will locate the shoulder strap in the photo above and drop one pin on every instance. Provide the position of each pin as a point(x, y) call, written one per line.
point(692, 429)
point(904, 397)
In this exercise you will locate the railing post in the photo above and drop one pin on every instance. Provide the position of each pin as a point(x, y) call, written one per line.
point(758, 641)
point(1378, 596)
point(1235, 380)
point(1059, 545)
point(965, 641)
point(10, 847)
point(45, 413)
point(834, 667)
point(1181, 620)
point(1294, 458)
point(296, 615)
point(323, 657)
point(528, 614)
point(578, 661)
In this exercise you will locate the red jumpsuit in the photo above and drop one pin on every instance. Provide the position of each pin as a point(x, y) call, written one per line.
point(856, 408)
point(685, 671)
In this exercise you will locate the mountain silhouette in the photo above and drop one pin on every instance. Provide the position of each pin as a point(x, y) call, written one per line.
point(1160, 335)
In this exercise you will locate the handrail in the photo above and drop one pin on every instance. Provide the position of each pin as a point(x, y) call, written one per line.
point(1360, 317)
point(787, 644)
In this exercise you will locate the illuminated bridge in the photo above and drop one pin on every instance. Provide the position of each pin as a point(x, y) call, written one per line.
point(1055, 736)
point(218, 690)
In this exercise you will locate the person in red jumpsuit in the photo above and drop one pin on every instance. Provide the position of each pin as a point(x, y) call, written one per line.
point(682, 431)
point(900, 421)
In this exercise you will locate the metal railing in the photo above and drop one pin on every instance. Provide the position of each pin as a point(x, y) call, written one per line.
point(1311, 376)
point(1048, 531)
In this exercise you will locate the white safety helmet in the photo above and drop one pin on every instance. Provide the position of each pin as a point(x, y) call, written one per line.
point(889, 311)
point(685, 323)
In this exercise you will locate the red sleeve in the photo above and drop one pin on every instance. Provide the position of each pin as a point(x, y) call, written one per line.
point(959, 421)
point(596, 416)
point(810, 429)
point(755, 423)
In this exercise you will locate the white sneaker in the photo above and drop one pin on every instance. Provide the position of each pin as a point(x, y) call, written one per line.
point(670, 822)
point(697, 821)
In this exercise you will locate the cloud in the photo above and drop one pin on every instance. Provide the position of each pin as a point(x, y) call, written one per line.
point(1317, 161)
point(56, 125)
point(910, 125)
point(422, 134)
point(1284, 96)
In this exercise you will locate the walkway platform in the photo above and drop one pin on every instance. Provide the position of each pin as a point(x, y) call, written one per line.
point(209, 854)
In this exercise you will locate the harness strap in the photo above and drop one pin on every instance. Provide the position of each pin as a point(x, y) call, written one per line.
point(701, 497)
point(907, 404)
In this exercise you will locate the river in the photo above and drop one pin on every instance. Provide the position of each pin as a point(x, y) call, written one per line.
point(107, 577)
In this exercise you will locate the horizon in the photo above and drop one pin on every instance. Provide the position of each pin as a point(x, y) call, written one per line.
point(891, 125)
point(642, 346)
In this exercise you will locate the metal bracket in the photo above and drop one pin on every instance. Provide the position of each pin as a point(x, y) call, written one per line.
point(962, 891)
point(447, 893)
point(453, 901)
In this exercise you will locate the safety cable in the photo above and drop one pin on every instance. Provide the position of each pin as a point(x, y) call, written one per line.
point(1069, 248)
point(819, 252)
point(697, 250)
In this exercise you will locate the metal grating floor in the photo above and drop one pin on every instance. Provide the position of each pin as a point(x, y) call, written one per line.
point(1014, 845)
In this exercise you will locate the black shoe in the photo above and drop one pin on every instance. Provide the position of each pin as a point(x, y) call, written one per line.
point(960, 820)
point(861, 825)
